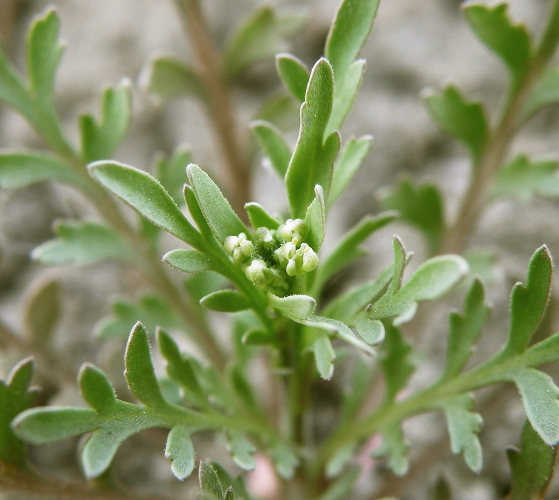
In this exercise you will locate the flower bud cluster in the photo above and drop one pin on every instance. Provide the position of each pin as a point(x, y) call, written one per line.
point(273, 255)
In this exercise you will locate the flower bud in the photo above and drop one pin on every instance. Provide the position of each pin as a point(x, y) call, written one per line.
point(293, 229)
point(259, 273)
point(265, 237)
point(240, 248)
point(304, 261)
point(285, 252)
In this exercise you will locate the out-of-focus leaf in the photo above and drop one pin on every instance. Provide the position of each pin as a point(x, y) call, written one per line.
point(12, 88)
point(294, 75)
point(464, 120)
point(171, 173)
point(420, 206)
point(531, 466)
point(145, 194)
point(42, 312)
point(342, 487)
point(151, 311)
point(544, 93)
point(100, 139)
point(346, 165)
point(396, 362)
point(463, 426)
point(261, 37)
point(241, 449)
point(81, 243)
point(465, 329)
point(370, 331)
point(523, 178)
point(395, 447)
point(273, 144)
point(15, 397)
point(259, 217)
point(20, 169)
point(170, 78)
point(348, 33)
point(340, 460)
point(216, 209)
point(209, 481)
point(285, 460)
point(226, 301)
point(441, 490)
point(511, 42)
point(324, 355)
point(315, 218)
point(180, 451)
point(187, 260)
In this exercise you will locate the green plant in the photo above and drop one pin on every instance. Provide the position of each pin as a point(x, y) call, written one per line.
point(268, 272)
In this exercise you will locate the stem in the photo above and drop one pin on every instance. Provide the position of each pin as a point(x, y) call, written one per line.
point(220, 111)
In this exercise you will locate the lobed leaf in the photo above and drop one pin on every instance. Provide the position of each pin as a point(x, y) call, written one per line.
point(180, 451)
point(294, 75)
point(296, 307)
point(241, 450)
point(226, 301)
point(188, 260)
point(396, 362)
point(95, 388)
point(464, 120)
point(370, 331)
point(285, 460)
point(100, 449)
point(217, 211)
point(170, 78)
point(81, 243)
point(274, 145)
point(12, 89)
point(395, 447)
point(324, 356)
point(146, 195)
point(100, 140)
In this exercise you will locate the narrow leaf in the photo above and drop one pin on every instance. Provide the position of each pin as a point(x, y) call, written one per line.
point(274, 145)
point(315, 218)
point(209, 482)
point(216, 209)
point(12, 89)
point(544, 93)
point(298, 307)
point(96, 388)
point(187, 260)
point(259, 217)
point(180, 451)
point(324, 355)
point(294, 75)
point(145, 194)
point(171, 172)
point(42, 313)
point(396, 362)
point(100, 449)
point(241, 449)
point(170, 78)
point(395, 447)
point(226, 301)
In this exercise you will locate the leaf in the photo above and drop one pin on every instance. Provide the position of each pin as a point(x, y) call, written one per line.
point(42, 313)
point(170, 78)
point(421, 206)
point(100, 449)
point(348, 162)
point(523, 178)
point(315, 218)
point(463, 426)
point(531, 467)
point(241, 449)
point(81, 243)
point(544, 93)
point(259, 217)
point(151, 310)
point(217, 211)
point(21, 169)
point(171, 173)
point(12, 89)
point(96, 388)
point(312, 160)
point(396, 362)
point(261, 37)
point(180, 451)
point(188, 260)
point(528, 303)
point(464, 120)
point(294, 75)
point(100, 140)
point(226, 301)
point(370, 331)
point(465, 330)
point(209, 482)
point(342, 487)
point(146, 195)
point(296, 307)
point(274, 145)
point(395, 447)
point(15, 397)
point(539, 397)
point(340, 460)
point(348, 33)
point(324, 355)
point(139, 371)
point(285, 460)
point(511, 42)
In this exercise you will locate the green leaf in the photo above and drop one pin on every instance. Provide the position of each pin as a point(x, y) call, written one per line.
point(528, 303)
point(312, 160)
point(12, 89)
point(348, 162)
point(146, 195)
point(285, 460)
point(421, 206)
point(209, 481)
point(42, 313)
point(340, 460)
point(348, 33)
point(539, 397)
point(544, 93)
point(315, 218)
point(15, 397)
point(188, 260)
point(531, 467)
point(217, 211)
point(20, 169)
point(345, 94)
point(511, 42)
point(347, 250)
point(226, 301)
point(465, 330)
point(259, 217)
point(139, 371)
point(523, 178)
point(180, 451)
point(261, 37)
point(464, 120)
point(294, 75)
point(43, 55)
point(293, 306)
point(171, 173)
point(100, 449)
point(170, 78)
point(81, 243)
point(241, 450)
point(370, 331)
point(151, 310)
point(324, 355)
point(463, 426)
point(341, 488)
point(396, 362)
point(100, 140)
point(274, 145)
point(395, 447)
point(96, 389)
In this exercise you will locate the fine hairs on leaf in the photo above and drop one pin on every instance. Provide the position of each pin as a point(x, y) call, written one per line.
point(279, 317)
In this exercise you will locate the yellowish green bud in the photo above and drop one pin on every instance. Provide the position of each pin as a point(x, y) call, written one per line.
point(259, 273)
point(240, 248)
point(293, 229)
point(304, 261)
point(266, 237)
